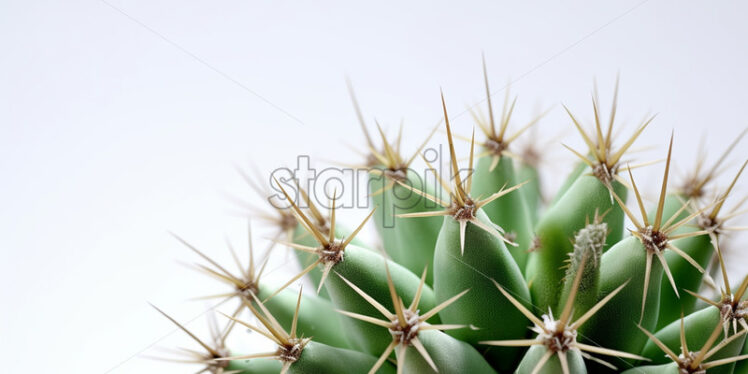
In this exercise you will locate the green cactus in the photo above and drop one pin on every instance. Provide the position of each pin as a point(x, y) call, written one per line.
point(470, 253)
point(717, 354)
point(496, 169)
point(592, 191)
point(515, 286)
point(391, 185)
point(700, 248)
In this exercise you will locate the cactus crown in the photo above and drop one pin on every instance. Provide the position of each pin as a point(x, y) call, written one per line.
point(212, 353)
point(497, 141)
point(695, 182)
point(713, 223)
point(245, 283)
point(657, 236)
point(605, 162)
point(732, 308)
point(390, 156)
point(405, 324)
point(395, 168)
point(560, 335)
point(290, 345)
point(690, 362)
point(330, 250)
point(462, 207)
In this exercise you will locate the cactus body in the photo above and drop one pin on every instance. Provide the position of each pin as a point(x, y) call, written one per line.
point(321, 358)
point(532, 192)
point(686, 277)
point(577, 294)
point(575, 173)
point(586, 257)
point(397, 233)
point(366, 269)
point(254, 366)
point(509, 212)
point(485, 258)
point(699, 326)
point(614, 326)
point(671, 368)
point(585, 198)
point(301, 236)
point(553, 365)
point(450, 355)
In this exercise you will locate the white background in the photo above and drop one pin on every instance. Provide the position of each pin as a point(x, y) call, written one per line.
point(122, 120)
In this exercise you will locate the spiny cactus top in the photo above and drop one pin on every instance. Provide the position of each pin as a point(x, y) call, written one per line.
point(518, 284)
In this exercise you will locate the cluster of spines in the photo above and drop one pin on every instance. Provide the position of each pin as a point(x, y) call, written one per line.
point(585, 287)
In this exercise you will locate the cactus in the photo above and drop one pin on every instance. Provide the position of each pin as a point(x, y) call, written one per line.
point(496, 168)
point(515, 286)
point(591, 191)
point(696, 361)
